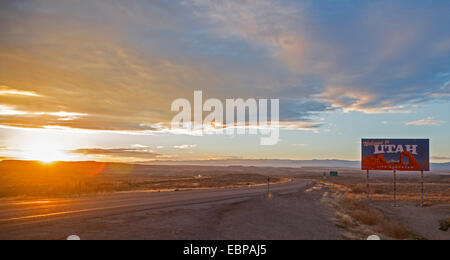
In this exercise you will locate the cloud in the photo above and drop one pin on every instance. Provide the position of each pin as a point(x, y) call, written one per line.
point(6, 91)
point(364, 62)
point(121, 65)
point(358, 100)
point(282, 125)
point(440, 158)
point(124, 153)
point(140, 146)
point(266, 23)
point(14, 117)
point(3, 147)
point(301, 109)
point(10, 111)
point(185, 146)
point(425, 122)
point(92, 70)
point(301, 126)
point(7, 153)
point(443, 93)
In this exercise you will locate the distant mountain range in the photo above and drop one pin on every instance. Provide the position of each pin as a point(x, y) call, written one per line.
point(283, 163)
point(332, 164)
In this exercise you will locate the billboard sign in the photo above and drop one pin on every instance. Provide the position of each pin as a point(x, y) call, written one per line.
point(396, 154)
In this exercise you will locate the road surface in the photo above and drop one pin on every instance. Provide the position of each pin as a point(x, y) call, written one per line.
point(198, 214)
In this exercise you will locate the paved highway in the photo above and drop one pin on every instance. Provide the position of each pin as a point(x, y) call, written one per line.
point(17, 217)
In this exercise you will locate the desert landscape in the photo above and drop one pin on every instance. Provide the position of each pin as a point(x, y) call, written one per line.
point(36, 179)
point(224, 120)
point(125, 201)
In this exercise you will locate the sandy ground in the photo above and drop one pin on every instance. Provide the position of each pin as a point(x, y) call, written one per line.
point(423, 222)
point(290, 214)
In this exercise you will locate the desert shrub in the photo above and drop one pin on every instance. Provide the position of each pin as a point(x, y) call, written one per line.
point(368, 217)
point(445, 224)
point(394, 230)
point(359, 188)
point(361, 212)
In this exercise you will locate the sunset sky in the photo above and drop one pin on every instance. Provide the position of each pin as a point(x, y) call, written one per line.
point(95, 80)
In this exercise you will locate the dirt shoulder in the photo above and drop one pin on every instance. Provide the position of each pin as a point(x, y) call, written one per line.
point(360, 218)
point(425, 222)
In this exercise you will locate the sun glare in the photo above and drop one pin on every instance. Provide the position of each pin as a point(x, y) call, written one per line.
point(45, 152)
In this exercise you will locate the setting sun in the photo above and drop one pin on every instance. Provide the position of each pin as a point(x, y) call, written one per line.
point(45, 152)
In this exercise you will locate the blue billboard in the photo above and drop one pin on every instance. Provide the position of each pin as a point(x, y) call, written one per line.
point(395, 154)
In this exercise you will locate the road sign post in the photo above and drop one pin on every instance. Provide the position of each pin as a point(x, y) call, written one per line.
point(422, 189)
point(367, 185)
point(395, 188)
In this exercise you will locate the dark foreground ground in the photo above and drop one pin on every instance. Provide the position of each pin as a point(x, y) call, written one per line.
point(245, 213)
point(96, 201)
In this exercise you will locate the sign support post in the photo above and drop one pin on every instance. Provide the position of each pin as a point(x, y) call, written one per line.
point(422, 189)
point(395, 188)
point(368, 185)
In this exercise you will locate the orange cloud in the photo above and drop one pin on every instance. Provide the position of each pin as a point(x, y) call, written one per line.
point(6, 91)
point(349, 99)
point(119, 153)
point(430, 121)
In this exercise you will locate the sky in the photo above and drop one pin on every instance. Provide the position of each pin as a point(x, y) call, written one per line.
point(95, 80)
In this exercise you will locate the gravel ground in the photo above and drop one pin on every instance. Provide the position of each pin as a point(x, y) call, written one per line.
point(423, 222)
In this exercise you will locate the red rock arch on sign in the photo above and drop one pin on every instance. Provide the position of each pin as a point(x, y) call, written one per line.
point(378, 162)
point(374, 162)
point(412, 160)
